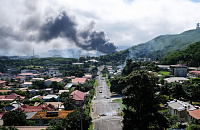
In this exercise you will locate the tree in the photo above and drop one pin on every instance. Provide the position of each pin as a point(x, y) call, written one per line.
point(8, 128)
point(77, 120)
point(130, 67)
point(38, 84)
point(67, 101)
point(116, 85)
point(56, 86)
point(142, 102)
point(15, 118)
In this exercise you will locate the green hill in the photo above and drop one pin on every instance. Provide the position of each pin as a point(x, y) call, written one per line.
point(158, 47)
point(189, 56)
point(163, 45)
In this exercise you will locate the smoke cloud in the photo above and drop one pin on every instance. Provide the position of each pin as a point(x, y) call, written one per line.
point(32, 29)
point(65, 26)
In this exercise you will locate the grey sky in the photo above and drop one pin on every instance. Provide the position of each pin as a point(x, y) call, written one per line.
point(123, 22)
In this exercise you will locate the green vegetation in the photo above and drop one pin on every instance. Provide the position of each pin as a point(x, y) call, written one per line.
point(142, 102)
point(96, 83)
point(155, 49)
point(164, 73)
point(108, 82)
point(114, 59)
point(189, 56)
point(120, 103)
point(15, 118)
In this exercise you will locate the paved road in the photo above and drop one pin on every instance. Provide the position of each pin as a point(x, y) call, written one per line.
point(105, 108)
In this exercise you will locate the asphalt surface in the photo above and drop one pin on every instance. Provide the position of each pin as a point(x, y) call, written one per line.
point(104, 108)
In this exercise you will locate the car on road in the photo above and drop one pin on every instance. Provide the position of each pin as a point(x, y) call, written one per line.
point(100, 91)
point(106, 97)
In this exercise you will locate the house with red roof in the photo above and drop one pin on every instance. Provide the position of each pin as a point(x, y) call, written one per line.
point(78, 81)
point(78, 96)
point(48, 81)
point(2, 84)
point(26, 108)
point(20, 78)
point(1, 115)
point(12, 97)
point(195, 73)
point(194, 114)
point(28, 75)
point(1, 74)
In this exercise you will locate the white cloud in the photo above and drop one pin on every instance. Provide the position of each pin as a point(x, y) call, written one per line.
point(125, 22)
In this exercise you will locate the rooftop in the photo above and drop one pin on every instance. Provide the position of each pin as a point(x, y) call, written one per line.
point(197, 72)
point(78, 95)
point(179, 105)
point(175, 79)
point(79, 80)
point(54, 79)
point(1, 82)
point(44, 115)
point(195, 113)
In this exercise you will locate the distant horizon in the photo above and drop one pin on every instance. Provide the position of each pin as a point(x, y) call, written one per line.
point(100, 25)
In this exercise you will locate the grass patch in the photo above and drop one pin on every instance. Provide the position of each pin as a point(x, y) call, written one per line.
point(91, 127)
point(120, 103)
point(165, 73)
point(108, 82)
point(96, 83)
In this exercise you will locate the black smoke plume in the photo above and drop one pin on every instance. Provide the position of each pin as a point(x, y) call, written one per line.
point(65, 26)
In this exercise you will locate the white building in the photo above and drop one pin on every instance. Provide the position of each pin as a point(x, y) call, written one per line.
point(179, 108)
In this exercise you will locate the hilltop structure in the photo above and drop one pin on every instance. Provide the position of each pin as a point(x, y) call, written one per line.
point(197, 26)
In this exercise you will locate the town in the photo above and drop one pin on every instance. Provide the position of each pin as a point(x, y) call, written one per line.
point(85, 93)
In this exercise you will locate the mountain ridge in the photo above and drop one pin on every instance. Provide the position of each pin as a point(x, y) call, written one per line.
point(163, 45)
point(157, 48)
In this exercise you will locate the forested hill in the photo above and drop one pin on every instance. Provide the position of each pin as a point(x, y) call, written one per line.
point(158, 47)
point(189, 56)
point(163, 45)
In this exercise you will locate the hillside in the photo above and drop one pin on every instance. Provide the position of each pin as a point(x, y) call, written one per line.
point(163, 45)
point(189, 56)
point(158, 47)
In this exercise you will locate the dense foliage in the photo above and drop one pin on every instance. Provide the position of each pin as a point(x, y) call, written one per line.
point(189, 56)
point(116, 58)
point(142, 103)
point(77, 120)
point(15, 118)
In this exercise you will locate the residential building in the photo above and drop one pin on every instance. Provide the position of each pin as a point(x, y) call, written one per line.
point(48, 97)
point(2, 84)
point(20, 78)
point(175, 79)
point(26, 108)
point(48, 90)
point(62, 91)
point(78, 96)
point(49, 81)
point(194, 114)
point(28, 75)
point(78, 81)
point(29, 71)
point(69, 85)
point(43, 118)
point(27, 84)
point(53, 71)
point(12, 97)
point(179, 108)
point(194, 74)
point(57, 105)
point(178, 70)
point(37, 79)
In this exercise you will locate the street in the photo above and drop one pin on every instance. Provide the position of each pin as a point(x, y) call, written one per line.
point(105, 110)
